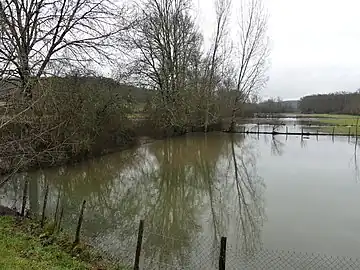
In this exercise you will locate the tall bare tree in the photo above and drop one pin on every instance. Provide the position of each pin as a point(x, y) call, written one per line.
point(165, 44)
point(215, 54)
point(38, 33)
point(252, 53)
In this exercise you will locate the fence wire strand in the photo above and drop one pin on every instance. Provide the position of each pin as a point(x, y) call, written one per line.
point(175, 253)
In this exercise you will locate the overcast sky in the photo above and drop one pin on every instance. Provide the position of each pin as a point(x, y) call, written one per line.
point(315, 45)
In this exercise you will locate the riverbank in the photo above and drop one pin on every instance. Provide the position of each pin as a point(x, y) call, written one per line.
point(138, 132)
point(24, 245)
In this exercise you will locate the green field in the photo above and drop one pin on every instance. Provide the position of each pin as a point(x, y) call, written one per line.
point(345, 121)
point(342, 123)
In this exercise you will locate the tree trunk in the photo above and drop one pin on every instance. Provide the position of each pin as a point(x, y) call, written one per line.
point(232, 121)
point(206, 120)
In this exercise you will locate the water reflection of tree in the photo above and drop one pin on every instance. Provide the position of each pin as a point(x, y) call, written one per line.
point(184, 173)
point(277, 147)
point(171, 184)
point(11, 192)
point(248, 185)
point(303, 141)
point(355, 161)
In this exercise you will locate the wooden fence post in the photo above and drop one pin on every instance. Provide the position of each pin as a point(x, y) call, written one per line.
point(44, 205)
point(138, 245)
point(357, 124)
point(24, 198)
point(222, 258)
point(60, 219)
point(333, 133)
point(78, 228)
point(258, 129)
point(57, 208)
point(287, 132)
point(349, 132)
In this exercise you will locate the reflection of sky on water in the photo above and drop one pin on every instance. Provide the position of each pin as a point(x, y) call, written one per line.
point(290, 194)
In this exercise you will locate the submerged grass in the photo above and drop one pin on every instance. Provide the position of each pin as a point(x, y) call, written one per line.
point(340, 130)
point(332, 116)
point(338, 123)
point(341, 124)
point(23, 245)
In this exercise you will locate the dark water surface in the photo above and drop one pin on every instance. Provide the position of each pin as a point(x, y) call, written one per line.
point(261, 192)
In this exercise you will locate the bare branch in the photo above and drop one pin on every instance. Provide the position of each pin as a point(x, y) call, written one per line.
point(35, 33)
point(253, 51)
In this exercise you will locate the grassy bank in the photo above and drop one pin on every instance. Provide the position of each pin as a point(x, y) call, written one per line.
point(339, 123)
point(332, 116)
point(339, 120)
point(24, 245)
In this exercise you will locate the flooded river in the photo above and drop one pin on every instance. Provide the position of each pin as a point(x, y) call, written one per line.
point(261, 192)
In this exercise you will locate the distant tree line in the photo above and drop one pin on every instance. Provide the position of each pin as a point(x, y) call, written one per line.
point(277, 106)
point(271, 106)
point(339, 102)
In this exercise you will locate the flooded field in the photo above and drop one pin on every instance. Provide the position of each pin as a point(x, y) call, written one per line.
point(262, 192)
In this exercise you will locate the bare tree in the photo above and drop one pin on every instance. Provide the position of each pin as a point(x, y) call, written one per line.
point(252, 51)
point(165, 45)
point(35, 34)
point(215, 55)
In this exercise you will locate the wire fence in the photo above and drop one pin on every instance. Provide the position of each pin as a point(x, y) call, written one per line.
point(154, 253)
point(303, 130)
point(267, 259)
point(143, 248)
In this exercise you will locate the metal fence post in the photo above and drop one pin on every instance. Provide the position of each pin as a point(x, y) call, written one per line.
point(222, 257)
point(138, 245)
point(356, 134)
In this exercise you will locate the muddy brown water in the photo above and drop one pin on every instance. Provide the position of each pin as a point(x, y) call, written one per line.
point(262, 192)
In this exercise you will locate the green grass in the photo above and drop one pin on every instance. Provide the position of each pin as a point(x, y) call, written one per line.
point(340, 130)
point(340, 121)
point(24, 245)
point(322, 115)
point(336, 116)
point(343, 123)
point(23, 251)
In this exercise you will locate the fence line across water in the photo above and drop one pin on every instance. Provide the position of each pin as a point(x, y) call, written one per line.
point(317, 132)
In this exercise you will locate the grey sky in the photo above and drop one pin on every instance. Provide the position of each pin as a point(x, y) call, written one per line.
point(315, 45)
